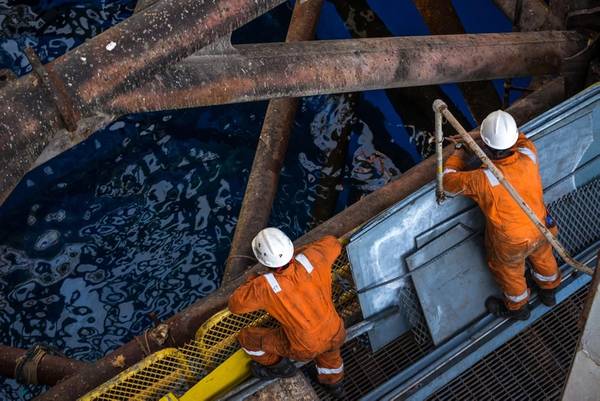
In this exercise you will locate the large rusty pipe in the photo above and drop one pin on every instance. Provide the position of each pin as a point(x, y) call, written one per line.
point(266, 71)
point(258, 72)
point(183, 325)
point(270, 153)
point(51, 368)
point(124, 55)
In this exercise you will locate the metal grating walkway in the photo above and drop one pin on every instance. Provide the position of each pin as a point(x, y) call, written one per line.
point(366, 370)
point(578, 217)
point(532, 366)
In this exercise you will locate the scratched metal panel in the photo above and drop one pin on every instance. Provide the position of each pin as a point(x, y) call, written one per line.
point(452, 287)
point(567, 138)
point(431, 250)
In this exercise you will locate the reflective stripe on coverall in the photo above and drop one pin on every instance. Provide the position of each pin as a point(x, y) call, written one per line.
point(510, 235)
point(299, 297)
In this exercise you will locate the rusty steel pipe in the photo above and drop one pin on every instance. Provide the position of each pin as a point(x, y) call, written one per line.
point(277, 70)
point(270, 154)
point(266, 71)
point(124, 55)
point(141, 5)
point(51, 368)
point(183, 325)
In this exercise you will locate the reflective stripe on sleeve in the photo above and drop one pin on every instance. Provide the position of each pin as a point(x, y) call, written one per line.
point(253, 353)
point(491, 177)
point(326, 371)
point(541, 277)
point(304, 262)
point(517, 298)
point(527, 152)
point(273, 282)
point(448, 170)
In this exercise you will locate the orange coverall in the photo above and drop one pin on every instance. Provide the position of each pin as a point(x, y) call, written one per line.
point(300, 298)
point(510, 236)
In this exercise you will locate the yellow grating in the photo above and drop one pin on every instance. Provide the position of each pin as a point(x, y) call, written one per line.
point(149, 379)
point(175, 370)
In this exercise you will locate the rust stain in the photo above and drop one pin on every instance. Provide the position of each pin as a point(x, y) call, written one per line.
point(119, 361)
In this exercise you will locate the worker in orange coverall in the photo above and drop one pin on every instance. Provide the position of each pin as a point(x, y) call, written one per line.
point(510, 236)
point(298, 294)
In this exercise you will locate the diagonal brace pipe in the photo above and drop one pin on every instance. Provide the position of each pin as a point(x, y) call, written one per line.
point(127, 54)
point(270, 154)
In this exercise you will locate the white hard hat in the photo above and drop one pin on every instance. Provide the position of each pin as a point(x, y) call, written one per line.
point(272, 247)
point(499, 130)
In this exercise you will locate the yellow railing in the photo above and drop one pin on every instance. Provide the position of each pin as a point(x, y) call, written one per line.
point(149, 379)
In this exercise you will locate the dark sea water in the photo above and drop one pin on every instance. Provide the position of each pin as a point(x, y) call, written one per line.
point(138, 219)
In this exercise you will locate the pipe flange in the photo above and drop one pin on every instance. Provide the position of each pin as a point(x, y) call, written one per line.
point(56, 90)
point(26, 366)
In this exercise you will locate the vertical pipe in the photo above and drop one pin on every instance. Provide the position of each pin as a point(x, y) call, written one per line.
point(270, 154)
point(141, 5)
point(439, 154)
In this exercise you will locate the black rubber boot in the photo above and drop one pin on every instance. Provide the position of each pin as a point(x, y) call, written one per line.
point(497, 308)
point(283, 368)
point(547, 297)
point(335, 390)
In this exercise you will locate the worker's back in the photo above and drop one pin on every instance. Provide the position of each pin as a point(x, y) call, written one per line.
point(299, 297)
point(504, 217)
